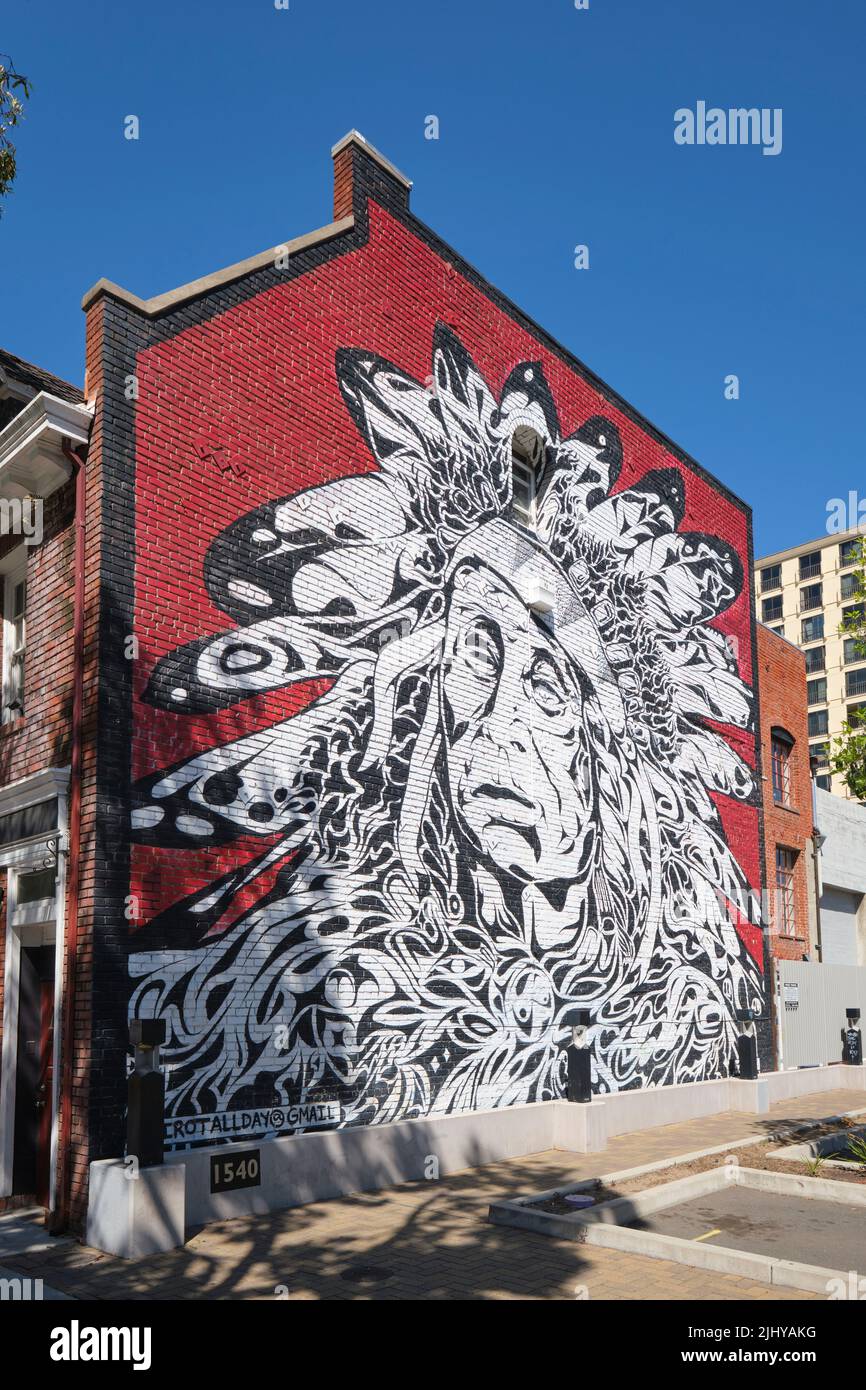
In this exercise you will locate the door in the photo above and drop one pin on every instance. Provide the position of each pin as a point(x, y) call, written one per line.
point(34, 1074)
point(839, 912)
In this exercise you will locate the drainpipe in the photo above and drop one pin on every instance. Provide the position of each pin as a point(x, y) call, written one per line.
point(60, 1219)
point(817, 845)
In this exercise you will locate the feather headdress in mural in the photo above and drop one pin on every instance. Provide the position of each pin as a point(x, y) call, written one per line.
point(491, 816)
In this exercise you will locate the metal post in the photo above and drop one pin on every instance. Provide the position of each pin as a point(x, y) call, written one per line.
point(579, 1058)
point(747, 1045)
point(145, 1117)
point(853, 1039)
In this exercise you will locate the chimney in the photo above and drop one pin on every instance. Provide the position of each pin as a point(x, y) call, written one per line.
point(360, 171)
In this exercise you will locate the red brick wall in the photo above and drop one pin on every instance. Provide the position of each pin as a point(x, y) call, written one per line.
point(343, 184)
point(40, 738)
point(782, 670)
point(79, 963)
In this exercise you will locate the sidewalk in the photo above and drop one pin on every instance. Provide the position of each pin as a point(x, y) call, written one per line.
point(428, 1240)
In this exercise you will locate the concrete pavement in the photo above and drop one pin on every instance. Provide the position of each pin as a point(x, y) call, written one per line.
point(429, 1240)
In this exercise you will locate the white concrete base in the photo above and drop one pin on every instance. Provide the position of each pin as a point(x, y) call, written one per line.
point(320, 1165)
point(787, 1085)
point(134, 1213)
point(580, 1128)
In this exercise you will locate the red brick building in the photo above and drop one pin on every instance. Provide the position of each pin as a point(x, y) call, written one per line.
point(788, 810)
point(43, 421)
point(404, 699)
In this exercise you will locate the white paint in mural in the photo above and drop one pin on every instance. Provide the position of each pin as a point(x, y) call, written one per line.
point(492, 816)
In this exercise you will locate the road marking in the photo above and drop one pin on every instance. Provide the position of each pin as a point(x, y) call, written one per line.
point(707, 1234)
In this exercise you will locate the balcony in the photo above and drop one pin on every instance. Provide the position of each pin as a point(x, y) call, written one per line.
point(855, 683)
point(813, 597)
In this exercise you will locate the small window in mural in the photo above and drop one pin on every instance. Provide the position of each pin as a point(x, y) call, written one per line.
point(527, 460)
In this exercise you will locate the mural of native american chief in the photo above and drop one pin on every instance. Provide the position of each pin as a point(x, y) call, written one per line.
point(493, 814)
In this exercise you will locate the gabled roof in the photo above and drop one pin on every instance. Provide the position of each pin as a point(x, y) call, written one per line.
point(26, 374)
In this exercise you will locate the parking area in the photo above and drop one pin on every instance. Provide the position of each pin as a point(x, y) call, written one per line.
point(829, 1234)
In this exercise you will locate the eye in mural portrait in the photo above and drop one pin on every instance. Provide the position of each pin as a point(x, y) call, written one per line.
point(490, 816)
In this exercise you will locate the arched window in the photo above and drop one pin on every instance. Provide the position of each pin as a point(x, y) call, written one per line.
point(527, 457)
point(781, 747)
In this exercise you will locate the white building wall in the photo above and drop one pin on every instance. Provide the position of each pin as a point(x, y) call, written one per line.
point(843, 877)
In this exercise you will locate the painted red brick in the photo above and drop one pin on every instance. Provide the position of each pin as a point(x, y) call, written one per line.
point(782, 670)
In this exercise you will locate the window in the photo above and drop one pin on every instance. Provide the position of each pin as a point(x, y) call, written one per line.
point(818, 723)
point(815, 659)
point(527, 452)
point(33, 902)
point(14, 642)
point(771, 609)
point(812, 629)
point(819, 754)
point(855, 682)
point(816, 691)
point(810, 565)
point(824, 782)
point(848, 551)
point(36, 886)
point(854, 651)
point(786, 860)
point(849, 584)
point(771, 577)
point(781, 745)
point(854, 712)
point(779, 631)
point(856, 613)
point(811, 597)
point(523, 490)
point(29, 821)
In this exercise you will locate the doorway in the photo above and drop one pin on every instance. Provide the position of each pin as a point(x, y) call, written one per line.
point(31, 1169)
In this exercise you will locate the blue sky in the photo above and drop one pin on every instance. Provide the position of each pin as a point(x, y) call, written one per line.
point(556, 129)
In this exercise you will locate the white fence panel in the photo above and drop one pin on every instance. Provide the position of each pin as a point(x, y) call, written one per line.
point(811, 1000)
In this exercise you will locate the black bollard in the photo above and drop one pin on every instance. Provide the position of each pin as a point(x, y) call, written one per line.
point(747, 1046)
point(145, 1116)
point(853, 1039)
point(579, 1058)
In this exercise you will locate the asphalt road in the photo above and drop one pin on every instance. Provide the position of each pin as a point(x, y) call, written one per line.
point(829, 1234)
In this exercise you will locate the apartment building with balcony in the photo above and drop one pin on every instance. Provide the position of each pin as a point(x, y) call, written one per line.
point(805, 594)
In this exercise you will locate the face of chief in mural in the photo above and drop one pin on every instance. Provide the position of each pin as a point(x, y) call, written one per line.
point(518, 759)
